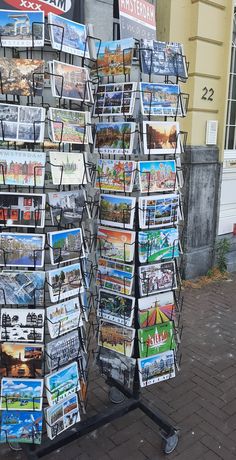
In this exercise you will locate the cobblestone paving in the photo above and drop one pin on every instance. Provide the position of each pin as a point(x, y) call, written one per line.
point(201, 400)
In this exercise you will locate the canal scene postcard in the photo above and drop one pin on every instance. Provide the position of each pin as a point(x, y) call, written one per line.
point(21, 360)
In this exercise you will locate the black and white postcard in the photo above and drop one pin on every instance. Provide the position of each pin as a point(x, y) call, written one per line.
point(22, 123)
point(22, 325)
point(117, 366)
point(67, 207)
point(62, 350)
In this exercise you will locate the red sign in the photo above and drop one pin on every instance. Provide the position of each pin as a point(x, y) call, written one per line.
point(138, 10)
point(48, 6)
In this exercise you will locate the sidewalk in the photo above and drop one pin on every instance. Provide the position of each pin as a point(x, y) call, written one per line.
point(201, 400)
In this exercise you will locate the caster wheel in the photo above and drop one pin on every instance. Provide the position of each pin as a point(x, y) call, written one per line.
point(169, 444)
point(115, 396)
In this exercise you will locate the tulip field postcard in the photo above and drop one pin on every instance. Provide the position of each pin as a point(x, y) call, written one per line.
point(155, 309)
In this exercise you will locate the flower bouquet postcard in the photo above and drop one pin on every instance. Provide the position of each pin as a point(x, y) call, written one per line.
point(22, 77)
point(160, 99)
point(68, 168)
point(21, 360)
point(156, 368)
point(70, 82)
point(156, 339)
point(22, 250)
point(62, 416)
point(22, 123)
point(68, 36)
point(115, 175)
point(115, 244)
point(117, 211)
point(115, 276)
point(21, 394)
point(157, 277)
point(63, 350)
point(158, 245)
point(116, 307)
point(62, 383)
point(69, 126)
point(156, 309)
point(115, 99)
point(64, 317)
point(157, 176)
point(115, 138)
point(22, 210)
point(116, 338)
point(116, 366)
point(66, 245)
point(67, 207)
point(163, 58)
point(161, 137)
point(22, 287)
point(114, 57)
point(22, 325)
point(21, 427)
point(21, 29)
point(158, 210)
point(20, 167)
point(65, 282)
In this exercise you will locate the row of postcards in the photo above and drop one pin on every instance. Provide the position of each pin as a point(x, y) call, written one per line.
point(112, 57)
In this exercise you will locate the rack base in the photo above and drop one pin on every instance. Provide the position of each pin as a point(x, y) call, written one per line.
point(169, 434)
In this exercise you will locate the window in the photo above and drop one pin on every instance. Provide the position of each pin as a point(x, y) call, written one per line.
point(230, 132)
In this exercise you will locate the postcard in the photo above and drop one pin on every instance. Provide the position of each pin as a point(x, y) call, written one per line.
point(161, 137)
point(66, 245)
point(62, 416)
point(69, 126)
point(117, 211)
point(156, 309)
point(21, 394)
point(70, 82)
point(22, 287)
point(21, 427)
point(163, 58)
point(68, 168)
point(64, 317)
point(114, 138)
point(22, 123)
point(68, 36)
point(22, 210)
point(156, 368)
point(115, 99)
point(62, 350)
point(157, 277)
point(156, 339)
point(161, 99)
point(157, 176)
point(67, 207)
point(117, 367)
point(114, 57)
point(115, 244)
point(116, 307)
point(62, 383)
point(158, 210)
point(116, 338)
point(22, 325)
point(21, 167)
point(65, 282)
point(22, 250)
point(115, 175)
point(21, 360)
point(158, 245)
point(21, 77)
point(19, 29)
point(115, 276)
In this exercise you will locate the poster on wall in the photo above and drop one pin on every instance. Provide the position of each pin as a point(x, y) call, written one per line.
point(65, 8)
point(137, 19)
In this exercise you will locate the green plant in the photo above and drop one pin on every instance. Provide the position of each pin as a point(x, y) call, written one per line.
point(222, 248)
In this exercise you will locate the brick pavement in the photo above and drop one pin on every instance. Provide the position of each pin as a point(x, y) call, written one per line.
point(201, 400)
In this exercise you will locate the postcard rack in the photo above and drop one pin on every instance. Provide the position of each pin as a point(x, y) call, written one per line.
point(56, 235)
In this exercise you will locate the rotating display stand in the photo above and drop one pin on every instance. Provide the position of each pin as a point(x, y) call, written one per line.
point(126, 399)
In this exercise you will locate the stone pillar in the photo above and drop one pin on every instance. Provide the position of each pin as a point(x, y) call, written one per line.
point(200, 194)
